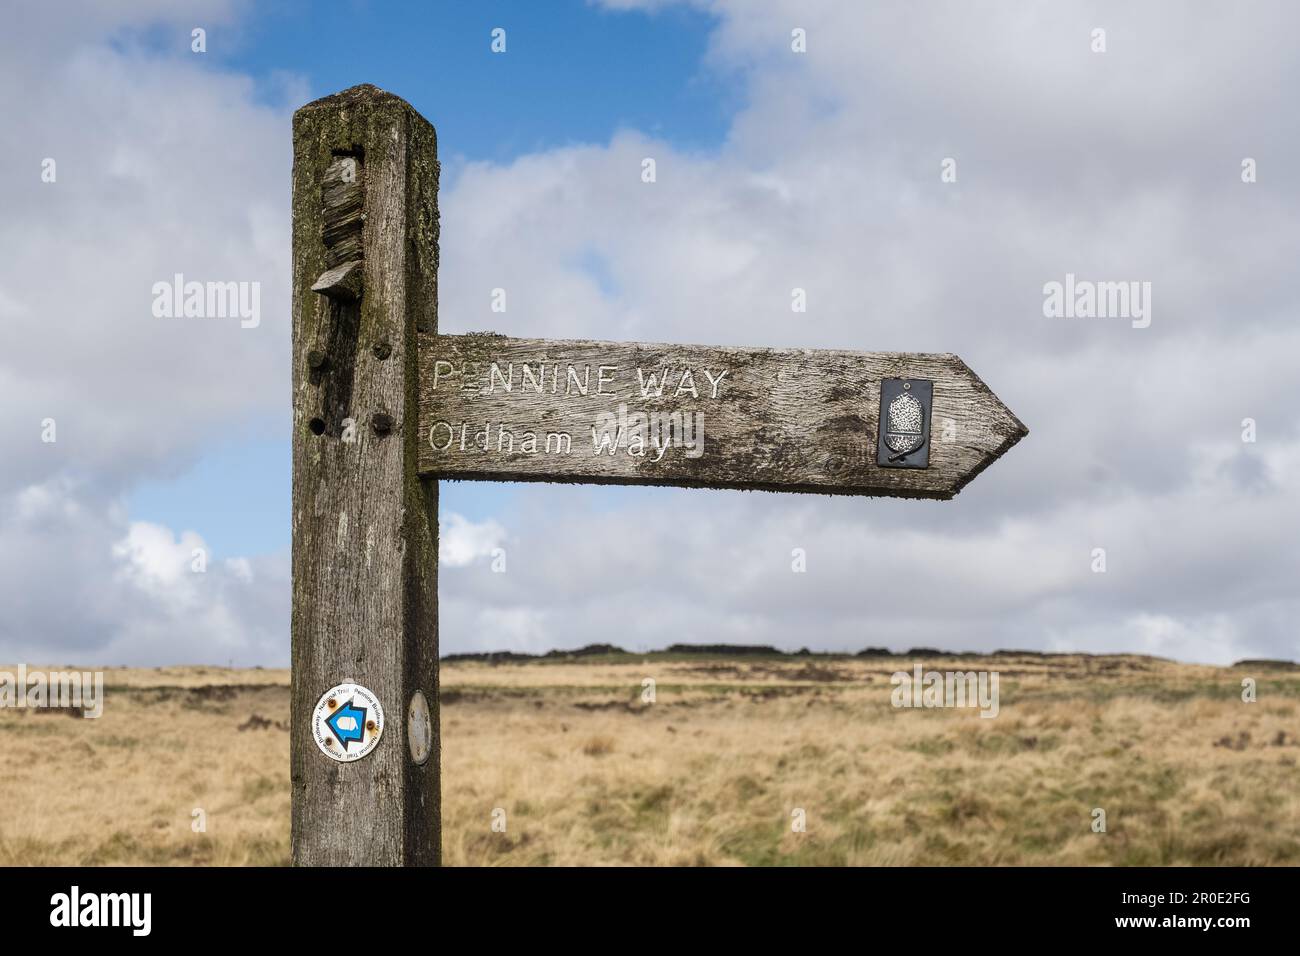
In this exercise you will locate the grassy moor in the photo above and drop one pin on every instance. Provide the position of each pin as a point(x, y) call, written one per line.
point(702, 759)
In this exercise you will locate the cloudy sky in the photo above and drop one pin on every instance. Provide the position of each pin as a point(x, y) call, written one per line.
point(776, 169)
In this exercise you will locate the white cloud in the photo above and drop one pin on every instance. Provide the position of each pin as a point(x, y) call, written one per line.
point(462, 542)
point(240, 568)
point(163, 165)
point(81, 583)
point(154, 559)
point(1123, 165)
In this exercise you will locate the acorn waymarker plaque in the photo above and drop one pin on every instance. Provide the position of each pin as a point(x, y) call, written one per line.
point(384, 406)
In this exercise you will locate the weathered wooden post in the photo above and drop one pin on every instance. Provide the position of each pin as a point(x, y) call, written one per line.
point(365, 525)
point(384, 406)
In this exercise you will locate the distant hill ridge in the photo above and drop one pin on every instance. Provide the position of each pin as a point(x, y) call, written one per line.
point(766, 650)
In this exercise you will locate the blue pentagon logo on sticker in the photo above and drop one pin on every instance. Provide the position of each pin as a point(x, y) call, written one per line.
point(347, 722)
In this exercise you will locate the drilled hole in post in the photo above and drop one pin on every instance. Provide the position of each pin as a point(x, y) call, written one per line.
point(317, 426)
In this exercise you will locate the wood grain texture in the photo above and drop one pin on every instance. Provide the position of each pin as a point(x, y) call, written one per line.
point(771, 419)
point(364, 524)
point(342, 209)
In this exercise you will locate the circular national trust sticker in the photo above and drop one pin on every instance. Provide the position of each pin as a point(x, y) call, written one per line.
point(347, 722)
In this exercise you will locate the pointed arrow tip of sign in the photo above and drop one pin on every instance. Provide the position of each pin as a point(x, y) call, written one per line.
point(1011, 429)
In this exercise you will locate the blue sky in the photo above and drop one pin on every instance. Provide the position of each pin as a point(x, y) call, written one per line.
point(572, 73)
point(816, 168)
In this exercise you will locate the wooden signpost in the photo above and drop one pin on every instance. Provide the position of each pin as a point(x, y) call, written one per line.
point(384, 406)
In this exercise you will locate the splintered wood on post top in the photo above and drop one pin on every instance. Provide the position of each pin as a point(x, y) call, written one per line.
point(343, 204)
point(504, 409)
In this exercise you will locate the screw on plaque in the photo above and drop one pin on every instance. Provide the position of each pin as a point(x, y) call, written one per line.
point(904, 423)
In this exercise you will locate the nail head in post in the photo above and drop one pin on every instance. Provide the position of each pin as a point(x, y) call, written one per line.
point(903, 430)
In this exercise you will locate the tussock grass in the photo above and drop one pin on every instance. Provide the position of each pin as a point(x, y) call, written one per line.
point(708, 774)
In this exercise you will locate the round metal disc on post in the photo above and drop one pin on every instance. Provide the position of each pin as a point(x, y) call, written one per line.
point(419, 727)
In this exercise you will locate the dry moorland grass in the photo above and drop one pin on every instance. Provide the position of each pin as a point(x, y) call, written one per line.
point(586, 772)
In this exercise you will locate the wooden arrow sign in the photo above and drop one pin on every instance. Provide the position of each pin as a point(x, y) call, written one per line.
point(504, 409)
